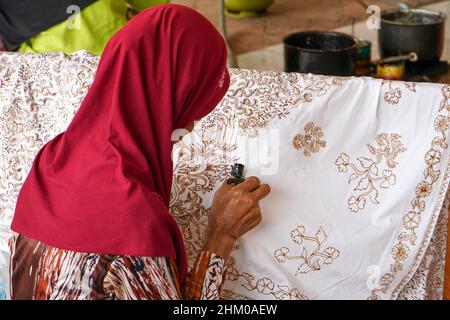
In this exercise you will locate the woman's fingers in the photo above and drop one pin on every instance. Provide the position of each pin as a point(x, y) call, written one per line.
point(250, 184)
point(235, 211)
point(226, 186)
point(250, 191)
point(261, 192)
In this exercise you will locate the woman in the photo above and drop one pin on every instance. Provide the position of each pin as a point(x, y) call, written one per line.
point(31, 26)
point(93, 212)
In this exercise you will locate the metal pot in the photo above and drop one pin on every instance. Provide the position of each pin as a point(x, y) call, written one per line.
point(320, 52)
point(412, 30)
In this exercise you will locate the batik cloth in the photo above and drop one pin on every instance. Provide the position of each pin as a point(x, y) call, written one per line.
point(358, 169)
point(358, 206)
point(42, 272)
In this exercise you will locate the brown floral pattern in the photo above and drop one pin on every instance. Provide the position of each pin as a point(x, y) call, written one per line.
point(367, 175)
point(412, 218)
point(393, 94)
point(427, 282)
point(260, 96)
point(309, 261)
point(203, 165)
point(311, 140)
point(389, 146)
point(37, 101)
point(193, 181)
point(411, 86)
point(263, 285)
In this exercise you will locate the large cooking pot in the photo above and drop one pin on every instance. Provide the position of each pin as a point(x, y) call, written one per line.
point(412, 30)
point(320, 52)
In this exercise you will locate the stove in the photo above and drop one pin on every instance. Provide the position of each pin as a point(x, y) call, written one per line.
point(424, 71)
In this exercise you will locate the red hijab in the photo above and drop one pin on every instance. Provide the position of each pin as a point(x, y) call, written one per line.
point(103, 186)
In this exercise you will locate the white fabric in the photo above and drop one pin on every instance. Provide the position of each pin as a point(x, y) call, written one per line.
point(315, 140)
point(358, 171)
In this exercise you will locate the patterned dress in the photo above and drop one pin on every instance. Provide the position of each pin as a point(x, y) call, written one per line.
point(42, 272)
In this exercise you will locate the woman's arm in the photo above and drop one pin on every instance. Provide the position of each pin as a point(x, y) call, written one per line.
point(234, 212)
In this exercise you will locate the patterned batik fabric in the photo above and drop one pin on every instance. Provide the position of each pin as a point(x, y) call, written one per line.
point(42, 272)
point(357, 167)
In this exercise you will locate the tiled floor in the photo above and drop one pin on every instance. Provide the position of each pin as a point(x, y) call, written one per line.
point(285, 16)
point(271, 58)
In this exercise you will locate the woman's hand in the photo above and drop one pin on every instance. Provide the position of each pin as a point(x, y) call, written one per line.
point(235, 211)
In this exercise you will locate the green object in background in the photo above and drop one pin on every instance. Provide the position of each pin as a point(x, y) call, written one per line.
point(246, 8)
point(140, 5)
point(364, 50)
point(97, 23)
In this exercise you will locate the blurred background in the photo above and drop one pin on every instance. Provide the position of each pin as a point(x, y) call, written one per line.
point(286, 16)
point(390, 39)
point(255, 30)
